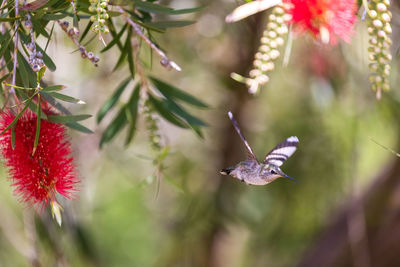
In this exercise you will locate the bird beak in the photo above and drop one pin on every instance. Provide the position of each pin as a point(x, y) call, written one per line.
point(281, 173)
point(286, 176)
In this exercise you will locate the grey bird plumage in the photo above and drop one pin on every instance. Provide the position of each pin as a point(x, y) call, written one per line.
point(251, 171)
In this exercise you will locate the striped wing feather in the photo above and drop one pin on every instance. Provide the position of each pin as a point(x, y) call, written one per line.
point(282, 152)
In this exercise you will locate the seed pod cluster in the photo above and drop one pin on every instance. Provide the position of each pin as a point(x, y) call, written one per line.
point(36, 57)
point(268, 52)
point(379, 31)
point(73, 33)
point(152, 126)
point(99, 20)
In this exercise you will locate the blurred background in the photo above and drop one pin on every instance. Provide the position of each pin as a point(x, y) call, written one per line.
point(344, 211)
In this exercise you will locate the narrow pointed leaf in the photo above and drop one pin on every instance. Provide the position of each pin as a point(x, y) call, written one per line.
point(170, 91)
point(67, 118)
point(110, 103)
point(51, 34)
point(17, 117)
point(186, 10)
point(114, 127)
point(162, 109)
point(123, 54)
point(116, 39)
point(170, 23)
point(130, 57)
point(132, 110)
point(151, 7)
point(38, 119)
point(66, 98)
point(85, 32)
point(52, 101)
point(53, 88)
point(46, 59)
point(13, 137)
point(40, 74)
point(79, 127)
point(181, 112)
point(23, 72)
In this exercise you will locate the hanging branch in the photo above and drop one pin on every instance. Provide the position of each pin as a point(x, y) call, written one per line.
point(165, 61)
point(72, 33)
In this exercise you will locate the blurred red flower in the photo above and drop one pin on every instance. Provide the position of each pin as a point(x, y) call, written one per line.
point(38, 177)
point(324, 19)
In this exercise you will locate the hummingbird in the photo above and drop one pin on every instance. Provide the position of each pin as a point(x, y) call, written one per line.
point(251, 171)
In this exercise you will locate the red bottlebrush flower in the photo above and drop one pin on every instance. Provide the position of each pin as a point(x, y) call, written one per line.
point(324, 19)
point(38, 177)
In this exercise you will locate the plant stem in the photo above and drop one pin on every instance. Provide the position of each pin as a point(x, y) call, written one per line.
point(165, 61)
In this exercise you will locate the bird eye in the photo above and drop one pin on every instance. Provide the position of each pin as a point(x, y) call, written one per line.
point(272, 172)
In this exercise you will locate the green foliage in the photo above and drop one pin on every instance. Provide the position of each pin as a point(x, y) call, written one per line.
point(140, 19)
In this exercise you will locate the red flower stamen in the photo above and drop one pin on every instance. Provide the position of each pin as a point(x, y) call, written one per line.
point(324, 19)
point(38, 177)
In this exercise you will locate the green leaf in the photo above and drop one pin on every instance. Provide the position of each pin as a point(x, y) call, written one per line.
point(39, 28)
point(9, 19)
point(54, 16)
point(38, 119)
point(26, 71)
point(46, 59)
point(186, 10)
point(32, 106)
point(114, 127)
point(130, 57)
point(53, 88)
point(124, 51)
point(181, 112)
point(171, 91)
point(17, 117)
point(67, 118)
point(52, 101)
point(79, 127)
point(170, 23)
point(40, 74)
point(131, 113)
point(116, 38)
point(85, 32)
point(66, 98)
point(23, 72)
point(13, 137)
point(5, 43)
point(4, 77)
point(51, 34)
point(162, 108)
point(151, 7)
point(110, 103)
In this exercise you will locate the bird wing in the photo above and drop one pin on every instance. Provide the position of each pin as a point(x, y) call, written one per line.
point(250, 153)
point(282, 152)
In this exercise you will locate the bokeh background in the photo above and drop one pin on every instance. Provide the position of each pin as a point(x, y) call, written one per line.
point(344, 211)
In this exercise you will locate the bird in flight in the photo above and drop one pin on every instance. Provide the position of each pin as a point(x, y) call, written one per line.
point(253, 172)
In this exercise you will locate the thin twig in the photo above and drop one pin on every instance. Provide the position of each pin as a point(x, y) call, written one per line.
point(165, 61)
point(388, 149)
point(16, 38)
point(72, 35)
point(2, 61)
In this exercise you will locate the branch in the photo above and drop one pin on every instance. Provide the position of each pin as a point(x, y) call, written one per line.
point(16, 38)
point(165, 61)
point(72, 33)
